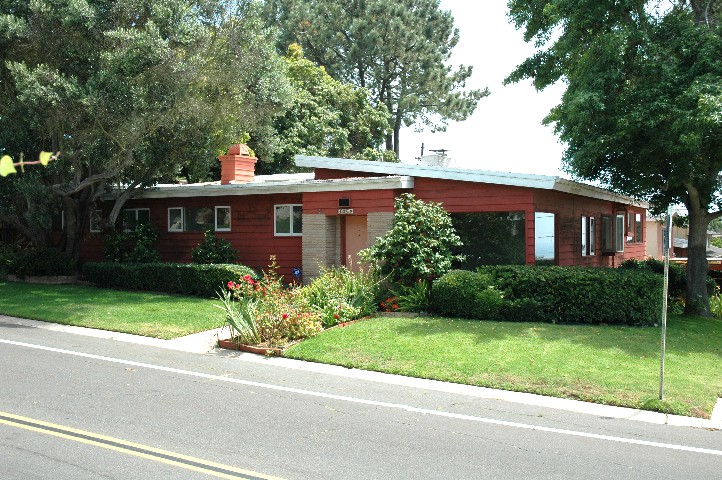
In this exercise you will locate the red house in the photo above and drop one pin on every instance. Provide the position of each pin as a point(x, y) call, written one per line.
point(308, 220)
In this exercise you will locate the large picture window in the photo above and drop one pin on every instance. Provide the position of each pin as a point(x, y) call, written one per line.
point(490, 238)
point(287, 220)
point(199, 219)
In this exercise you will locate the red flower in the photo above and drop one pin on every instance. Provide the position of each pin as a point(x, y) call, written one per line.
point(336, 316)
point(285, 316)
point(231, 285)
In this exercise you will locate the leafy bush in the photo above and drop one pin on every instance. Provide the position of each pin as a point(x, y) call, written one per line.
point(416, 298)
point(418, 246)
point(136, 246)
point(342, 295)
point(461, 293)
point(551, 294)
point(38, 262)
point(214, 250)
point(265, 312)
point(181, 278)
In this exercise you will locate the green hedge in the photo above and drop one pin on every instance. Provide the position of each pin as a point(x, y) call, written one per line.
point(36, 262)
point(181, 278)
point(553, 294)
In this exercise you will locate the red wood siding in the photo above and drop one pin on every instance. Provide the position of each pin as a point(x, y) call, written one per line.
point(251, 230)
point(569, 210)
point(361, 201)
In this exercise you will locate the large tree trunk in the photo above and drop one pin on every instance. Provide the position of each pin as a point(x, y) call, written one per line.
point(697, 302)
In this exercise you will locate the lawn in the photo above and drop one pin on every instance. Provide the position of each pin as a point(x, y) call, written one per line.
point(140, 313)
point(604, 364)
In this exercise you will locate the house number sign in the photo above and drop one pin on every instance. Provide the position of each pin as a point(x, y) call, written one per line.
point(345, 211)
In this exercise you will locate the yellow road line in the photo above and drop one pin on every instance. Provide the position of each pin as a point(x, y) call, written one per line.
point(129, 448)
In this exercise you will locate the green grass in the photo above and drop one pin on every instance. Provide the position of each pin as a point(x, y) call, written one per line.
point(140, 313)
point(604, 364)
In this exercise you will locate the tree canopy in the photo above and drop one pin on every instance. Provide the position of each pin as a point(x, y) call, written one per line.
point(642, 111)
point(326, 117)
point(399, 51)
point(131, 92)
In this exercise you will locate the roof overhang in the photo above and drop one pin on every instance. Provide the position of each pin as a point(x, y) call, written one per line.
point(277, 187)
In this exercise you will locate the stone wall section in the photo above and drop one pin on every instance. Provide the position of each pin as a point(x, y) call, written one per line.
point(321, 244)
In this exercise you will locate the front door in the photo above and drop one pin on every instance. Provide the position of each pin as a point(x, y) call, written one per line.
point(356, 240)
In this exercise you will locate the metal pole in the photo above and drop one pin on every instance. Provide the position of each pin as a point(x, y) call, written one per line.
point(665, 289)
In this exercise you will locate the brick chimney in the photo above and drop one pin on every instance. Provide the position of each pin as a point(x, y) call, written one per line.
point(237, 166)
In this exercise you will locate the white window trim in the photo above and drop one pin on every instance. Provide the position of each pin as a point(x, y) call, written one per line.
point(290, 214)
point(619, 232)
point(183, 219)
point(589, 233)
point(230, 224)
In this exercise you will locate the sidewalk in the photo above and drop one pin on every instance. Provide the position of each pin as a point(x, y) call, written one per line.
point(206, 343)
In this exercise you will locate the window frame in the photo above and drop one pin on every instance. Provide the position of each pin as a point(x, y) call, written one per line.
point(290, 207)
point(589, 236)
point(182, 220)
point(136, 210)
point(215, 225)
point(92, 224)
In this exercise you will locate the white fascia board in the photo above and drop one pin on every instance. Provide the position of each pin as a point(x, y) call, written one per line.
point(267, 188)
point(427, 171)
point(576, 188)
point(467, 175)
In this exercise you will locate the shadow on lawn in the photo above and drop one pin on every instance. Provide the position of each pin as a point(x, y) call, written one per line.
point(685, 335)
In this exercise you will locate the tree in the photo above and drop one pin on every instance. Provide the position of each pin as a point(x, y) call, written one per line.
point(326, 117)
point(132, 93)
point(397, 50)
point(642, 111)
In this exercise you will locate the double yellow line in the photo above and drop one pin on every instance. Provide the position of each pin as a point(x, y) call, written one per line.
point(129, 448)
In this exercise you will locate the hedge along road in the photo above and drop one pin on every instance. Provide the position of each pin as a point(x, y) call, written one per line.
point(298, 424)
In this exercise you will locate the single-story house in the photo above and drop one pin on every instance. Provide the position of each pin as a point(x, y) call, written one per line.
point(323, 218)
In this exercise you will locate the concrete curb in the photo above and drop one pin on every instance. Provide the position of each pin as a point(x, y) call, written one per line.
point(205, 343)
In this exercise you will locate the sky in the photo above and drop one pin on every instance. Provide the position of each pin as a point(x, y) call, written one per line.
point(505, 132)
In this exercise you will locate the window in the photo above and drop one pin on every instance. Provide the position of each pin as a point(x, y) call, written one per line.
point(613, 233)
point(589, 234)
point(223, 219)
point(95, 217)
point(490, 238)
point(638, 228)
point(544, 238)
point(175, 219)
point(619, 233)
point(287, 220)
point(132, 217)
point(198, 219)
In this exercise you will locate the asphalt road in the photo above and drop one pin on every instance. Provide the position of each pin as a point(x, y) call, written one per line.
point(76, 407)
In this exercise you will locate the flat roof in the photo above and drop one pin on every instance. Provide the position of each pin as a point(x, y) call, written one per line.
point(282, 183)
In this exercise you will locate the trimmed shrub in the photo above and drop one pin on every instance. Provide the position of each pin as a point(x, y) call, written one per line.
point(135, 246)
point(677, 273)
point(214, 250)
point(554, 294)
point(461, 293)
point(181, 278)
point(38, 262)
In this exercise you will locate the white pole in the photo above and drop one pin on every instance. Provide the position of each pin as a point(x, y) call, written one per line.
point(665, 288)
